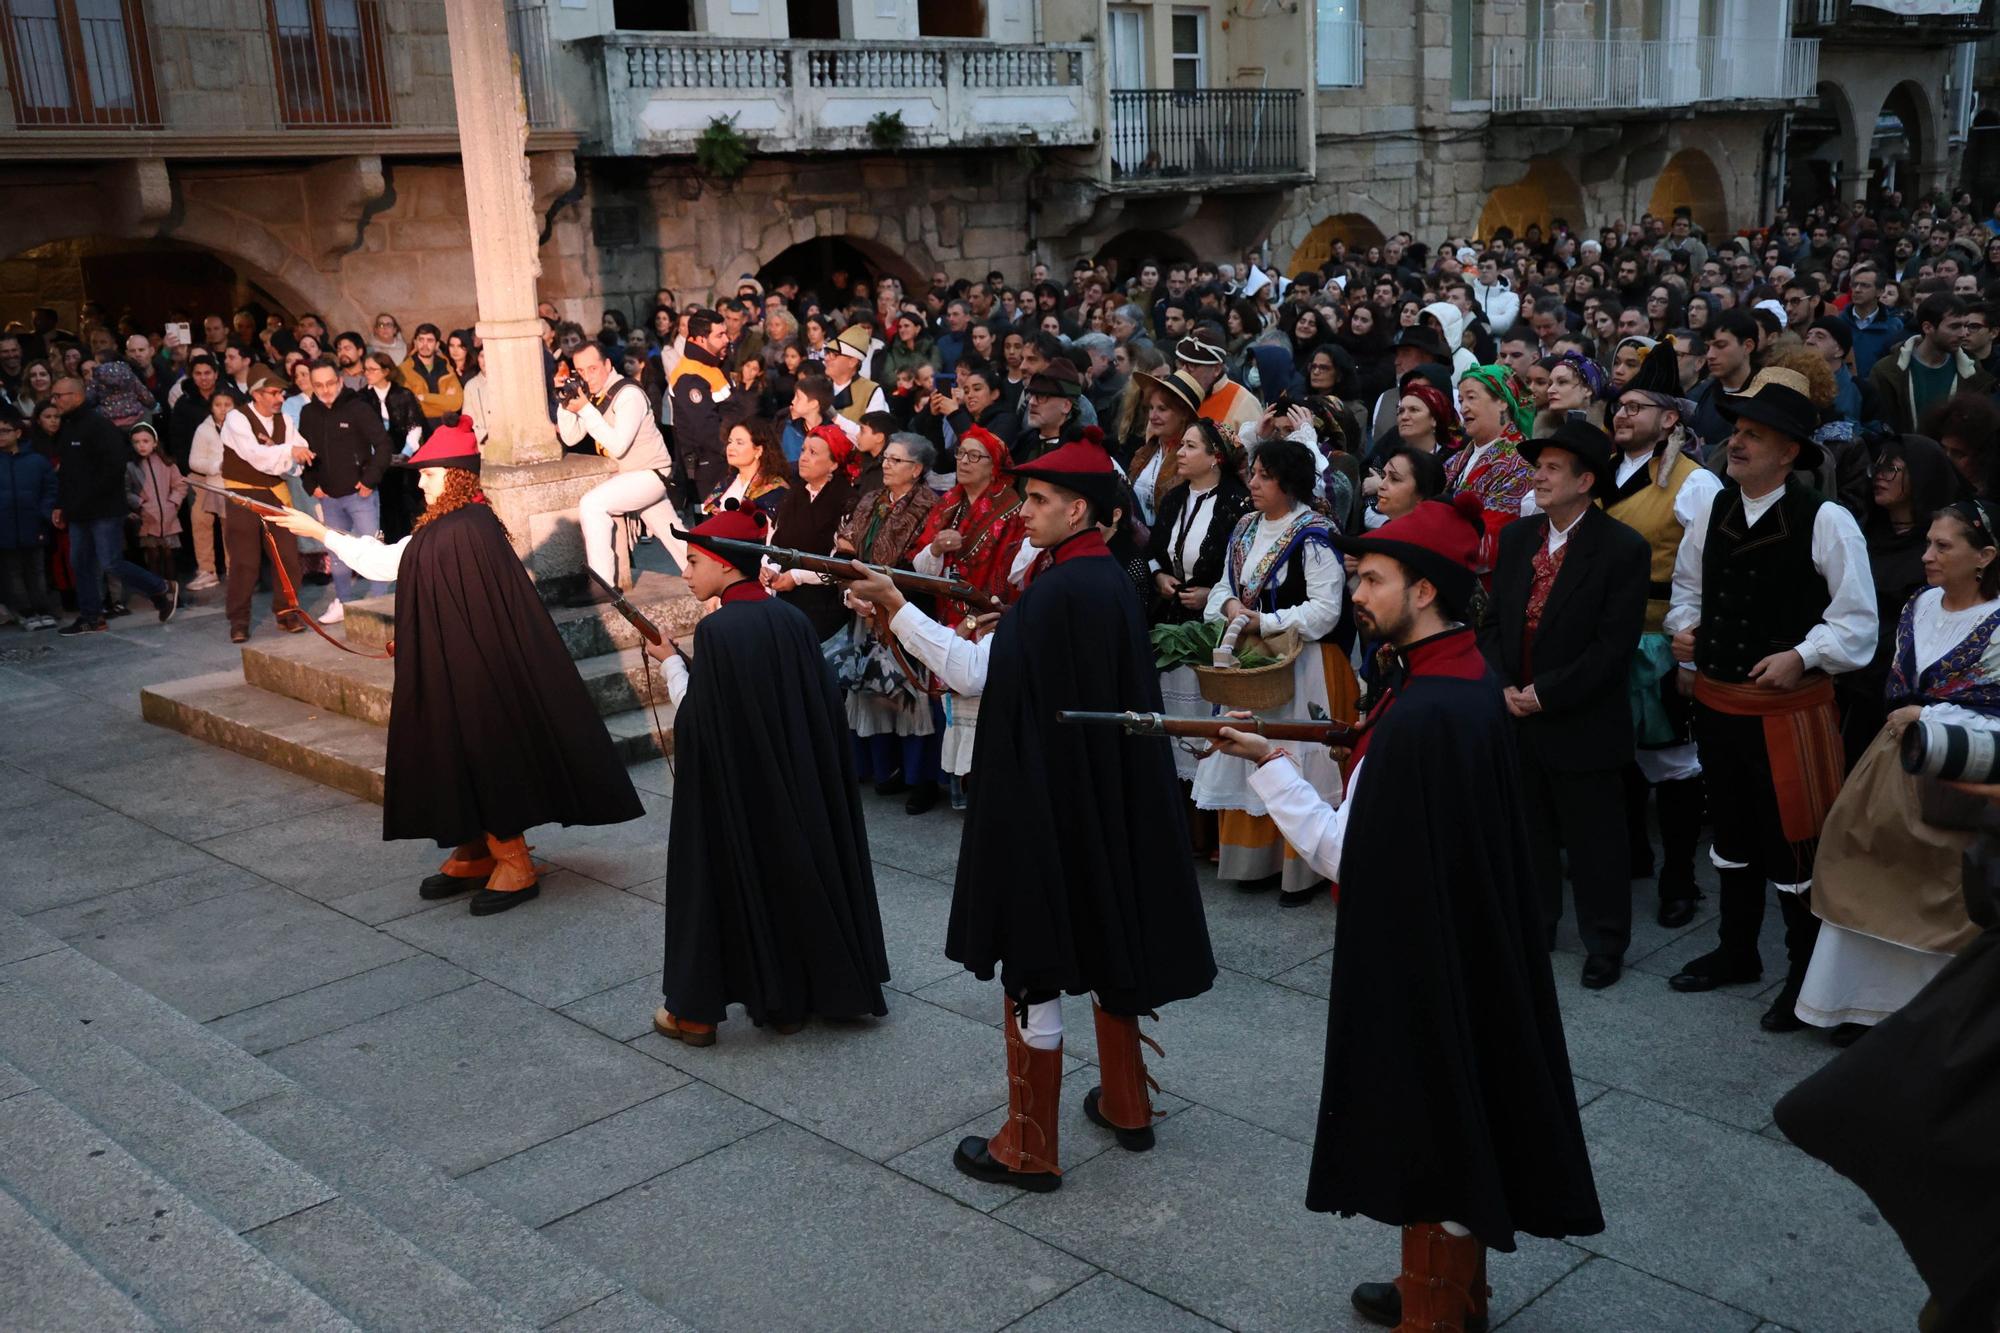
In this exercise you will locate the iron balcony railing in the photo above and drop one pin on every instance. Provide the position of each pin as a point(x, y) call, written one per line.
point(1623, 73)
point(1206, 132)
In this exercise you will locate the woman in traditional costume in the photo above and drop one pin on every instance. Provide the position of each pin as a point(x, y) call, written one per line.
point(1490, 466)
point(1886, 885)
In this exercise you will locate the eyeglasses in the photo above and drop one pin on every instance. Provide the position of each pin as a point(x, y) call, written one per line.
point(973, 456)
point(1634, 409)
point(1887, 471)
point(897, 458)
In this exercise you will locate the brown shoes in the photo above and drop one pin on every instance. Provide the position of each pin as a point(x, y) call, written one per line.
point(688, 1034)
point(1120, 1103)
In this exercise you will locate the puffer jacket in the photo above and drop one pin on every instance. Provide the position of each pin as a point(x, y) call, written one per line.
point(27, 499)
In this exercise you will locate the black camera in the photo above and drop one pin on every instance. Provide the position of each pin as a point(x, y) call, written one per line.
point(1951, 753)
point(571, 387)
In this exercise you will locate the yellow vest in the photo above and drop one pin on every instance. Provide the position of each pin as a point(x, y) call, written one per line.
point(1650, 512)
point(862, 389)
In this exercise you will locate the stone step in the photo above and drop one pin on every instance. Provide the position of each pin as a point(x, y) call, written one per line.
point(587, 631)
point(400, 1246)
point(183, 1267)
point(312, 741)
point(52, 1288)
point(361, 688)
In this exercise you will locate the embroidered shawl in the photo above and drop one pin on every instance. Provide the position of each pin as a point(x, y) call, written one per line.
point(1967, 675)
point(1259, 584)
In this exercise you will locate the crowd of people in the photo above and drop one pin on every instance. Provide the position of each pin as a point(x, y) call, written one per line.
point(1720, 513)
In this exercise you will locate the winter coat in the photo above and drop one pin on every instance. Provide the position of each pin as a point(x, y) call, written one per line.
point(27, 498)
point(1896, 399)
point(92, 454)
point(160, 488)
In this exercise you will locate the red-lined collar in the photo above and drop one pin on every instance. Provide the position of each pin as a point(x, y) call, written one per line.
point(749, 590)
point(1078, 544)
point(1453, 653)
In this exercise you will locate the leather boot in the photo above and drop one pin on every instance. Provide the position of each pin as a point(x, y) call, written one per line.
point(1737, 959)
point(514, 880)
point(1637, 789)
point(1023, 1153)
point(1380, 1303)
point(468, 867)
point(1120, 1103)
point(1680, 833)
point(668, 1024)
point(1440, 1272)
point(1801, 933)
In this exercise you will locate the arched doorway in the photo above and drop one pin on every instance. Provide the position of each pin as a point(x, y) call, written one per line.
point(1123, 253)
point(826, 265)
point(1356, 231)
point(1817, 150)
point(1546, 191)
point(1690, 180)
point(1900, 144)
point(146, 280)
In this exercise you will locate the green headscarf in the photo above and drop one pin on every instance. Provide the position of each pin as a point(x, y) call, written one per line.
point(1500, 381)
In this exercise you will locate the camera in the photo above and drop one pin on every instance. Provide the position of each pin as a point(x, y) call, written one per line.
point(571, 387)
point(1951, 753)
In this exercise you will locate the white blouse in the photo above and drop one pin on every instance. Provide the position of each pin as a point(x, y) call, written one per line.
point(1326, 576)
point(1934, 632)
point(1190, 530)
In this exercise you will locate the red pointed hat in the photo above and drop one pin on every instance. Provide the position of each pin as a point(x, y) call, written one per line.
point(1438, 539)
point(449, 446)
point(1081, 466)
point(743, 524)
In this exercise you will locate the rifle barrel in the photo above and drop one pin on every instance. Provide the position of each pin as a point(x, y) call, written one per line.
point(841, 567)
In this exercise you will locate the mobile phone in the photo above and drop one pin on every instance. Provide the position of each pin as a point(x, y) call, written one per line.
point(944, 381)
point(179, 335)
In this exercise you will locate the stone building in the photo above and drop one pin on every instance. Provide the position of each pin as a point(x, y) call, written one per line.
point(187, 153)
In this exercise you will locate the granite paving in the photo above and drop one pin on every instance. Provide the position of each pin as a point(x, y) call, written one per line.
point(769, 1182)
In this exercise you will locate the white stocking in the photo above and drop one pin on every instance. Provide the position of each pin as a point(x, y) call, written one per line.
point(1043, 1030)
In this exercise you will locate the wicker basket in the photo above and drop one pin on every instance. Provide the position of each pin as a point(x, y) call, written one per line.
point(1257, 689)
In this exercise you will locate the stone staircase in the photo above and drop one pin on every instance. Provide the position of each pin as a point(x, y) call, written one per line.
point(299, 705)
point(154, 1175)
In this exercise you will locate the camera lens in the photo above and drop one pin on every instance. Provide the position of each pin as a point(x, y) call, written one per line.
point(1950, 752)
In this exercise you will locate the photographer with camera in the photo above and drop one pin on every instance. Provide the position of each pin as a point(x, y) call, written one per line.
point(1886, 887)
point(614, 414)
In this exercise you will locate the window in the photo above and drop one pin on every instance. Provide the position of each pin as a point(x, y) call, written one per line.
point(1340, 43)
point(329, 55)
point(78, 62)
point(1190, 49)
point(1461, 47)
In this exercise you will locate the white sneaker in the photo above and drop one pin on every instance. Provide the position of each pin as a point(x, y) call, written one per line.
point(203, 581)
point(334, 614)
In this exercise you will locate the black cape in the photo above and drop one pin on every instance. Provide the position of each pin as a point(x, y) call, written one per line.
point(1911, 1114)
point(1074, 873)
point(770, 898)
point(490, 729)
point(1448, 1093)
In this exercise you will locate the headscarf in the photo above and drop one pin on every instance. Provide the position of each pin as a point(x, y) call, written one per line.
point(1499, 381)
point(1591, 373)
point(1003, 458)
point(1450, 431)
point(837, 444)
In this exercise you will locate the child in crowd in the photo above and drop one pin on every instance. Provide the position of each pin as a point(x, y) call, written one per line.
point(27, 499)
point(205, 465)
point(156, 488)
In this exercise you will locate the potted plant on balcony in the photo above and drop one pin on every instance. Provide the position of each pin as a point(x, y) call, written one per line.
point(886, 129)
point(722, 151)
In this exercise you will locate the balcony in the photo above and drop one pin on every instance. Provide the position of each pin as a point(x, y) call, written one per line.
point(1207, 135)
point(1565, 75)
point(1893, 22)
point(98, 79)
point(820, 96)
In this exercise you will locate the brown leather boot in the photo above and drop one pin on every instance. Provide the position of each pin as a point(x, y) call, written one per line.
point(1381, 1303)
point(1440, 1271)
point(514, 880)
point(667, 1024)
point(1120, 1103)
point(468, 867)
point(1023, 1153)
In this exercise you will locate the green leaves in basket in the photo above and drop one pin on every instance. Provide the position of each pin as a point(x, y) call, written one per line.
point(1190, 644)
point(1250, 661)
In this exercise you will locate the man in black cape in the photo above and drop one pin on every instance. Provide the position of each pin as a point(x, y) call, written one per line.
point(490, 729)
point(1448, 1108)
point(1073, 874)
point(770, 898)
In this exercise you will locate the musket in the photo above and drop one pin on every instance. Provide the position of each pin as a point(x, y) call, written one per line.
point(842, 567)
point(624, 607)
point(1319, 732)
point(259, 507)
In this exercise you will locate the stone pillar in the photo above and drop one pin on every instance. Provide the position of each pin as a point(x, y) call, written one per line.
point(532, 484)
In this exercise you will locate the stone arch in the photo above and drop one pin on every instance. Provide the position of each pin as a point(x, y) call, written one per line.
point(1546, 190)
point(1123, 252)
point(1921, 142)
point(1690, 178)
point(1356, 229)
point(813, 261)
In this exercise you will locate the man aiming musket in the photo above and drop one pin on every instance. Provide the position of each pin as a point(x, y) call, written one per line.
point(1072, 876)
point(909, 580)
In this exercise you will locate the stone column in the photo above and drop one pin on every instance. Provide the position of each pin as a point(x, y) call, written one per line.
point(531, 483)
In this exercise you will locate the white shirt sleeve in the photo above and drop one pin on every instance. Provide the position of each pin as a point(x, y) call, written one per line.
point(569, 427)
point(1845, 639)
point(927, 561)
point(272, 458)
point(1316, 829)
point(960, 663)
point(1315, 617)
point(675, 671)
point(1691, 508)
point(1024, 556)
point(367, 556)
point(614, 433)
point(1219, 595)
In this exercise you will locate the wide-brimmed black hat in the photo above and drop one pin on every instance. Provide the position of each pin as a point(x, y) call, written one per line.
point(1592, 447)
point(1424, 338)
point(1177, 385)
point(1777, 398)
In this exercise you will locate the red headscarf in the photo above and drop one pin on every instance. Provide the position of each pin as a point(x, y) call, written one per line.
point(1440, 404)
point(837, 444)
point(992, 526)
point(1003, 461)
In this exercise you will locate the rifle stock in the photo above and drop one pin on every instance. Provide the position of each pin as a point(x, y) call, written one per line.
point(1282, 729)
point(842, 567)
point(622, 604)
point(257, 507)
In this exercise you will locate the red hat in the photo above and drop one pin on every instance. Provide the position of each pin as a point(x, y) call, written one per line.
point(449, 446)
point(1003, 458)
point(836, 442)
point(1081, 466)
point(738, 524)
point(1438, 539)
